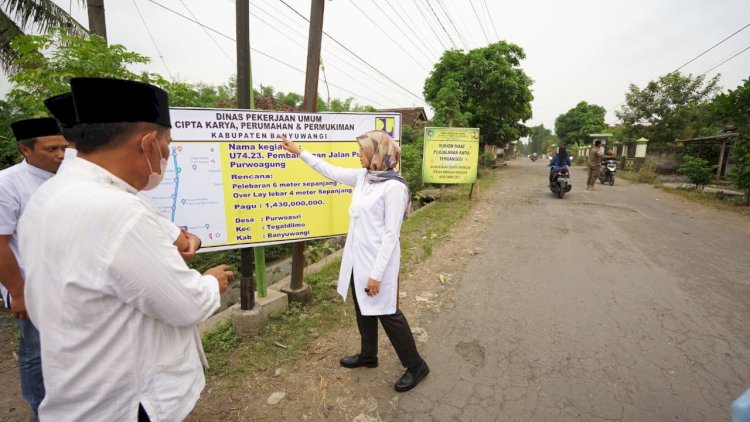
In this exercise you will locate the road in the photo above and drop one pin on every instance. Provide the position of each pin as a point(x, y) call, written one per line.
point(625, 304)
point(622, 304)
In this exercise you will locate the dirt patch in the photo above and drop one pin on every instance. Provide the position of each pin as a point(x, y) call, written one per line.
point(316, 387)
point(12, 406)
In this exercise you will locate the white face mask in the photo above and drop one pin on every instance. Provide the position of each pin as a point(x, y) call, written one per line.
point(154, 179)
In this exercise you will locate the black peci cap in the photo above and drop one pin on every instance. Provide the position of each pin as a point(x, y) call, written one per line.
point(34, 128)
point(62, 108)
point(105, 100)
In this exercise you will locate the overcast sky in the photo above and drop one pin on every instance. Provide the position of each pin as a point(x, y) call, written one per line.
point(577, 50)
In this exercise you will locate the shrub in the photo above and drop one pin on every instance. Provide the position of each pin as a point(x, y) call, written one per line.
point(696, 170)
point(487, 159)
point(411, 166)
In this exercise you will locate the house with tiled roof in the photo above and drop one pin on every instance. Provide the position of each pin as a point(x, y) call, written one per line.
point(413, 116)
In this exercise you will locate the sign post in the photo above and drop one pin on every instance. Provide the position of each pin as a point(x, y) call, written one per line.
point(451, 155)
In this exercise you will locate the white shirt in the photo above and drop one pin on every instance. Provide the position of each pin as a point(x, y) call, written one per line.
point(17, 184)
point(115, 304)
point(172, 230)
point(372, 248)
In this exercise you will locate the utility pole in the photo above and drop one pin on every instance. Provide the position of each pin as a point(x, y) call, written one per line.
point(310, 106)
point(244, 97)
point(97, 24)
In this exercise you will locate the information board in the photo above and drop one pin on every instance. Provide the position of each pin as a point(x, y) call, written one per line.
point(229, 181)
point(451, 155)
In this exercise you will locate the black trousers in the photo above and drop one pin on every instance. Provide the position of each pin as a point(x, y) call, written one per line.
point(142, 415)
point(396, 328)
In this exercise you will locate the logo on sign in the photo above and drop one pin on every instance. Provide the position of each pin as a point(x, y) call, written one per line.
point(386, 124)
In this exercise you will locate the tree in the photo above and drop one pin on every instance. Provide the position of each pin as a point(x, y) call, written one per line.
point(486, 87)
point(47, 63)
point(696, 170)
point(673, 107)
point(574, 126)
point(733, 109)
point(41, 15)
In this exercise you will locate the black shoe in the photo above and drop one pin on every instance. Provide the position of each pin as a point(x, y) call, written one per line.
point(357, 361)
point(409, 380)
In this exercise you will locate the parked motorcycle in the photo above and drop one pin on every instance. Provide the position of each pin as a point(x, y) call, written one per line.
point(561, 182)
point(607, 175)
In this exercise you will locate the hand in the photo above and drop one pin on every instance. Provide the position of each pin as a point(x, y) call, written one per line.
point(222, 274)
point(373, 287)
point(18, 307)
point(289, 145)
point(193, 244)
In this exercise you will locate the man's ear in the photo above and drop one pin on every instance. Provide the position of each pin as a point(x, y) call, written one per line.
point(24, 150)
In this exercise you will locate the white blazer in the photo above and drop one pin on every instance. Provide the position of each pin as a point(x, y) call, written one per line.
point(372, 248)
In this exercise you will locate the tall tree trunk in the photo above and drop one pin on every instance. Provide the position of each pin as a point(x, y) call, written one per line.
point(97, 24)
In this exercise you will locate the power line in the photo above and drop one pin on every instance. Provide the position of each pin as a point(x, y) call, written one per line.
point(714, 46)
point(231, 59)
point(409, 27)
point(480, 21)
point(255, 49)
point(468, 31)
point(450, 20)
point(730, 58)
point(399, 27)
point(355, 55)
point(389, 37)
point(698, 56)
point(405, 14)
point(491, 21)
point(441, 23)
point(343, 61)
point(426, 19)
point(153, 41)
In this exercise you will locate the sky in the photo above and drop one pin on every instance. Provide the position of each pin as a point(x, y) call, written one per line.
point(576, 50)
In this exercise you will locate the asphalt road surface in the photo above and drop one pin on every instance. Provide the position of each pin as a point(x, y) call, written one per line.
point(625, 304)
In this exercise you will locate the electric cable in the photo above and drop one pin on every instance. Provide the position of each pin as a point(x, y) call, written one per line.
point(427, 20)
point(356, 55)
point(711, 48)
point(491, 21)
point(390, 38)
point(450, 20)
point(730, 58)
point(478, 20)
point(153, 41)
point(231, 59)
point(409, 27)
point(406, 36)
point(441, 23)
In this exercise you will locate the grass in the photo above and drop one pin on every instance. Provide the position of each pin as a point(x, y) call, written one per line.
point(727, 204)
point(291, 335)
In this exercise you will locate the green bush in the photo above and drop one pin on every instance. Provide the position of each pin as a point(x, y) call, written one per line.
point(411, 166)
point(579, 161)
point(696, 170)
point(487, 159)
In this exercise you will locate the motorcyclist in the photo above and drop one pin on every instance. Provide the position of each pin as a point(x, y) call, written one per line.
point(559, 161)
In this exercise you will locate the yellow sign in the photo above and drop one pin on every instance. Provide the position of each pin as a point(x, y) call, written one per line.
point(229, 181)
point(451, 155)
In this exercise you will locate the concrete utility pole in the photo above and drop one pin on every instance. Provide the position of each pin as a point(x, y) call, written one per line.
point(244, 94)
point(97, 24)
point(310, 106)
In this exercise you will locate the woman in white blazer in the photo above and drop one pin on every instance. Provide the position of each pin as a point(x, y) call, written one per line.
point(372, 253)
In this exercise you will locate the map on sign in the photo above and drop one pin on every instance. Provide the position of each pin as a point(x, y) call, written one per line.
point(193, 182)
point(229, 182)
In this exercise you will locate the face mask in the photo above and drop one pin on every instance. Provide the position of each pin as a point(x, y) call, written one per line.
point(154, 179)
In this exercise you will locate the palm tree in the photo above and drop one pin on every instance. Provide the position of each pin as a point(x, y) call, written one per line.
point(16, 16)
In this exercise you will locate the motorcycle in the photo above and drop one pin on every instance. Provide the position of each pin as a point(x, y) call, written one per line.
point(560, 184)
point(607, 175)
point(534, 157)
